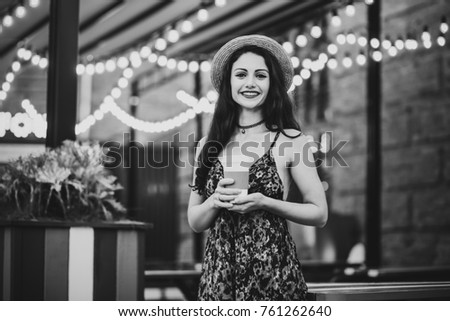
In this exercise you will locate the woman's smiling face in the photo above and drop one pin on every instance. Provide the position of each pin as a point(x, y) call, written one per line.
point(250, 80)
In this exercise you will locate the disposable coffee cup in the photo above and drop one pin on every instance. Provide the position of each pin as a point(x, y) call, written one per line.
point(240, 178)
point(237, 169)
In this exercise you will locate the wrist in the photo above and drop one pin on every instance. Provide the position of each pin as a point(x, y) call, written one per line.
point(210, 202)
point(265, 202)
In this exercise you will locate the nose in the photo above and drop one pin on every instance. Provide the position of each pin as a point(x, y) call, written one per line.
point(250, 82)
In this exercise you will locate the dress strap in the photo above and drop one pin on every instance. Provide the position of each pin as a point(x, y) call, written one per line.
point(275, 140)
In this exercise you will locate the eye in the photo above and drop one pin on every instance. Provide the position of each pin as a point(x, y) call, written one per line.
point(261, 76)
point(240, 75)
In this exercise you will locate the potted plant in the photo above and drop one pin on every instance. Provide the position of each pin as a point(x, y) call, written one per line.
point(63, 235)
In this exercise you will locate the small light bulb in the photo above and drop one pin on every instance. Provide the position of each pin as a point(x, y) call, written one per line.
point(362, 41)
point(116, 92)
point(10, 77)
point(15, 66)
point(182, 66)
point(34, 3)
point(122, 62)
point(27, 55)
point(173, 36)
point(80, 69)
point(374, 43)
point(160, 44)
point(128, 73)
point(110, 65)
point(43, 63)
point(427, 44)
point(193, 66)
point(332, 63)
point(90, 69)
point(145, 52)
point(441, 40)
point(305, 73)
point(6, 86)
point(20, 11)
point(377, 55)
point(347, 62)
point(306, 63)
point(335, 19)
point(341, 39)
point(162, 61)
point(122, 82)
point(8, 21)
point(332, 49)
point(152, 58)
point(220, 3)
point(392, 51)
point(316, 31)
point(35, 59)
point(351, 38)
point(399, 44)
point(350, 9)
point(202, 15)
point(386, 44)
point(297, 80)
point(187, 26)
point(323, 58)
point(426, 37)
point(301, 41)
point(444, 25)
point(171, 64)
point(100, 67)
point(205, 66)
point(288, 47)
point(361, 59)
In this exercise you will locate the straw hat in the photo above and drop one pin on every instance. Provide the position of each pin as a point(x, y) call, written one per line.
point(274, 48)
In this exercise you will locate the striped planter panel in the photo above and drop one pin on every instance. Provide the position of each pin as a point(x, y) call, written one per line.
point(71, 263)
point(56, 260)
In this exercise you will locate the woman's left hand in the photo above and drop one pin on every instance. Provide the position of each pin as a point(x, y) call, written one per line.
point(247, 203)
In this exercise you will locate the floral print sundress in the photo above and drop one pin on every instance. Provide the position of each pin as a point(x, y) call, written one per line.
point(251, 256)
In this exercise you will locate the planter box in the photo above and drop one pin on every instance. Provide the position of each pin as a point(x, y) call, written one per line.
point(65, 261)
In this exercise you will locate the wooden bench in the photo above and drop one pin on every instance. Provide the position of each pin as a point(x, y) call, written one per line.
point(185, 280)
point(379, 291)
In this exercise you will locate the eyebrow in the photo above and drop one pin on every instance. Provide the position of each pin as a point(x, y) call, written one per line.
point(255, 70)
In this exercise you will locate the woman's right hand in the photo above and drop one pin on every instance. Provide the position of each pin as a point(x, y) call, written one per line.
point(223, 195)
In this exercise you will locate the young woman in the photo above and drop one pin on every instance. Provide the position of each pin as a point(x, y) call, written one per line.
point(249, 252)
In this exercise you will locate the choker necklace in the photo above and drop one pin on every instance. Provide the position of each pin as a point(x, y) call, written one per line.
point(243, 128)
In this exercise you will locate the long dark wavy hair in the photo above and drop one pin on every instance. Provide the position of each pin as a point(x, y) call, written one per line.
point(277, 111)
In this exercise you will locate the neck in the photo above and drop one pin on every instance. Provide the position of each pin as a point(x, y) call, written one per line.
point(249, 117)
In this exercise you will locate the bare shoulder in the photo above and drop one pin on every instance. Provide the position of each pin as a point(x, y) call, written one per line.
point(295, 137)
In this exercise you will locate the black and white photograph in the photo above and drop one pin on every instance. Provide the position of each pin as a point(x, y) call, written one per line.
point(166, 152)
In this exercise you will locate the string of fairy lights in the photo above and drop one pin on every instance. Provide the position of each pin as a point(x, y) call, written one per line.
point(15, 12)
point(153, 53)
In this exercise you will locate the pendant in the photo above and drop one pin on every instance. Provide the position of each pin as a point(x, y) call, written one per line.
point(243, 131)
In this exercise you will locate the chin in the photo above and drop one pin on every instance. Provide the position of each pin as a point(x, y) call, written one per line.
point(250, 105)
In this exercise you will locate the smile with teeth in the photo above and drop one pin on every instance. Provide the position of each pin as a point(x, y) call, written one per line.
point(249, 94)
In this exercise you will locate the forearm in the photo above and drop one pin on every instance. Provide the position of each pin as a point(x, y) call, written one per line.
point(302, 213)
point(201, 216)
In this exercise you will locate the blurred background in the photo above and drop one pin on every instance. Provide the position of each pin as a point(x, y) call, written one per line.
point(372, 85)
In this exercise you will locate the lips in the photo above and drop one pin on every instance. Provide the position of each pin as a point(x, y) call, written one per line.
point(250, 94)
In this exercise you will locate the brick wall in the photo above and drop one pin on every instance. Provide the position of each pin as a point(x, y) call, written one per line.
point(415, 139)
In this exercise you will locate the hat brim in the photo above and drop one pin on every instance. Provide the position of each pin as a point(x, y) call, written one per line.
point(223, 55)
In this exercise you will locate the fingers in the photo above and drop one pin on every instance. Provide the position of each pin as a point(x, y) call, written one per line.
point(225, 181)
point(222, 189)
point(222, 201)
